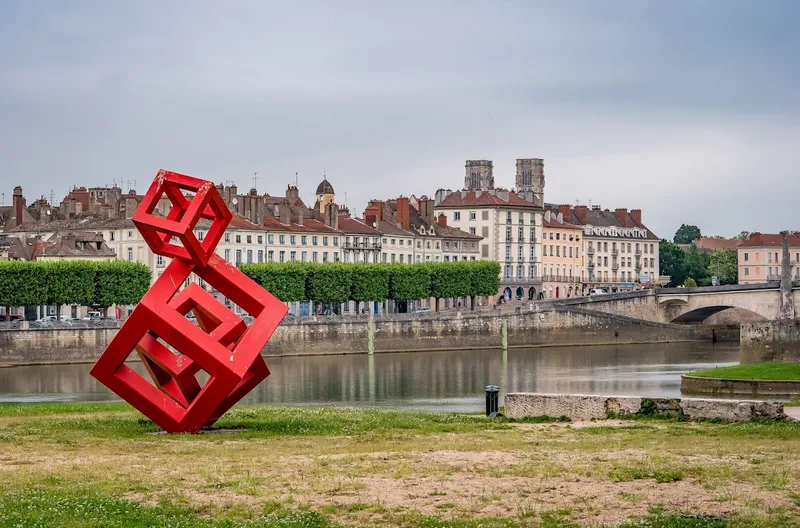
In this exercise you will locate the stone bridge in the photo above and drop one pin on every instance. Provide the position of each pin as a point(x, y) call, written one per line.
point(689, 305)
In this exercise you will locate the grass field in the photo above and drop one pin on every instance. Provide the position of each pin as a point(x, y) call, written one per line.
point(763, 371)
point(85, 465)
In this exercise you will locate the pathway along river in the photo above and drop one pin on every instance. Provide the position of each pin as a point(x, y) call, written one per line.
point(433, 381)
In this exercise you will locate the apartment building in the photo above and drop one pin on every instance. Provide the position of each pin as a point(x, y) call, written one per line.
point(760, 257)
point(562, 257)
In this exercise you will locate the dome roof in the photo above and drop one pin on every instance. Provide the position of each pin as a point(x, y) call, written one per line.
point(325, 187)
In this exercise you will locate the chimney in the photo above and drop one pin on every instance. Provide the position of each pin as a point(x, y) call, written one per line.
point(402, 212)
point(636, 214)
point(285, 213)
point(375, 209)
point(331, 216)
point(442, 219)
point(426, 210)
point(18, 201)
point(622, 216)
point(292, 192)
point(564, 210)
point(582, 213)
point(299, 217)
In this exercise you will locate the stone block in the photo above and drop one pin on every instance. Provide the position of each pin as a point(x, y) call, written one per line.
point(731, 410)
point(573, 406)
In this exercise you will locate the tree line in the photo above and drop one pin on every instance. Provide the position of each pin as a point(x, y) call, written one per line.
point(695, 268)
point(343, 282)
point(100, 284)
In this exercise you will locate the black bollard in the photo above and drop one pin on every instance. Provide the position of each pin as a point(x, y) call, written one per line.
point(492, 400)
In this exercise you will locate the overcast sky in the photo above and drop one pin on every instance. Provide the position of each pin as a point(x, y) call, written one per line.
point(687, 110)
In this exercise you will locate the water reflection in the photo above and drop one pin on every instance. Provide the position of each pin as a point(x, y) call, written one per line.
point(452, 380)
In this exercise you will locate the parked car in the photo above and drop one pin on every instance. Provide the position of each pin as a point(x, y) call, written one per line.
point(423, 311)
point(92, 316)
point(44, 322)
point(598, 291)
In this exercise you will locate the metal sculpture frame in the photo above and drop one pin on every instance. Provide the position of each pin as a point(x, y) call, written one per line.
point(172, 348)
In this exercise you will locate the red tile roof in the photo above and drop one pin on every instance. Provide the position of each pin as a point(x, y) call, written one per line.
point(309, 226)
point(482, 198)
point(351, 225)
point(769, 240)
point(712, 244)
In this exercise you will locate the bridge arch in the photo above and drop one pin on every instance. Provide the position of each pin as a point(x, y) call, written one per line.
point(698, 315)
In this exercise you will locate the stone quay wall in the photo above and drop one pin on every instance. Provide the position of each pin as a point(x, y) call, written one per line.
point(737, 387)
point(770, 341)
point(579, 407)
point(561, 326)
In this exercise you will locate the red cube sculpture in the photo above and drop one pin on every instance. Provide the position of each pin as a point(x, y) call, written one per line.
point(173, 349)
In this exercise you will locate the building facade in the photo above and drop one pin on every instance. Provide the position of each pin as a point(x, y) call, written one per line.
point(562, 257)
point(759, 257)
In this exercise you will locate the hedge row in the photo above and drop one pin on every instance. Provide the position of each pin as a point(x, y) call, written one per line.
point(72, 282)
point(338, 283)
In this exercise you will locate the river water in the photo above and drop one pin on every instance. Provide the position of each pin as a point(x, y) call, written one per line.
point(438, 381)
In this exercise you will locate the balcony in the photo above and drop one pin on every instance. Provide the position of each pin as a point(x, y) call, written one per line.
point(521, 280)
point(614, 252)
point(638, 252)
point(590, 265)
point(560, 278)
point(361, 245)
point(614, 265)
point(590, 251)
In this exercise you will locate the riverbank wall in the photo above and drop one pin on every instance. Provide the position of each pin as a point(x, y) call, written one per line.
point(561, 326)
point(770, 341)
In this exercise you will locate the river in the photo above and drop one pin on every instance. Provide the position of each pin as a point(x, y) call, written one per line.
point(437, 381)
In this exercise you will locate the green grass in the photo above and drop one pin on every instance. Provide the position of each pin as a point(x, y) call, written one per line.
point(775, 371)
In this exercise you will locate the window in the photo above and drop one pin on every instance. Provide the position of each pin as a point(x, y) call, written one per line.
point(484, 215)
point(446, 244)
point(238, 239)
point(521, 234)
point(293, 239)
point(282, 239)
point(227, 255)
point(238, 256)
point(130, 253)
point(293, 256)
point(336, 241)
point(227, 237)
point(605, 261)
point(520, 253)
point(457, 215)
point(508, 217)
point(605, 246)
point(558, 236)
point(282, 256)
point(260, 256)
point(111, 236)
point(428, 244)
point(533, 235)
point(746, 271)
point(335, 257)
point(447, 258)
point(472, 231)
point(508, 252)
point(570, 252)
point(304, 256)
point(260, 239)
point(249, 256)
point(508, 271)
point(325, 256)
point(558, 252)
point(551, 235)
point(325, 240)
point(746, 257)
point(508, 234)
point(159, 260)
point(473, 215)
point(130, 234)
point(652, 263)
point(533, 253)
point(314, 240)
point(249, 239)
point(303, 240)
point(270, 239)
point(551, 250)
point(522, 218)
point(520, 271)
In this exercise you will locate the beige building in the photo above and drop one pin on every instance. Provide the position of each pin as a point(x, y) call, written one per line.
point(508, 222)
point(562, 257)
point(761, 255)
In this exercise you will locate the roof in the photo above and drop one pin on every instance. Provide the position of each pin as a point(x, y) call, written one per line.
point(75, 245)
point(769, 240)
point(483, 199)
point(453, 232)
point(352, 225)
point(82, 222)
point(555, 224)
point(607, 218)
point(21, 250)
point(325, 187)
point(707, 244)
point(388, 228)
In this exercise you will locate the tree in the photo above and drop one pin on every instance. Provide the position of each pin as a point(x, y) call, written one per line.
point(370, 282)
point(724, 264)
point(484, 279)
point(744, 235)
point(409, 282)
point(696, 265)
point(686, 234)
point(22, 284)
point(690, 283)
point(70, 282)
point(328, 283)
point(449, 280)
point(286, 281)
point(671, 262)
point(120, 282)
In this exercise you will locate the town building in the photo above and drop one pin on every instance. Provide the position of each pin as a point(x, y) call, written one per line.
point(620, 252)
point(562, 257)
point(75, 246)
point(508, 223)
point(759, 257)
point(710, 244)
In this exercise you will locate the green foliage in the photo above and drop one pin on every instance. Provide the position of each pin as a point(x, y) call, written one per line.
point(775, 371)
point(120, 282)
point(449, 280)
point(370, 282)
point(70, 282)
point(686, 234)
point(409, 281)
point(328, 283)
point(484, 277)
point(671, 262)
point(690, 283)
point(696, 266)
point(22, 283)
point(724, 263)
point(286, 281)
point(744, 235)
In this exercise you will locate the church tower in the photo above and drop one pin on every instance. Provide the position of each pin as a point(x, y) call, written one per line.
point(479, 175)
point(325, 194)
point(530, 179)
